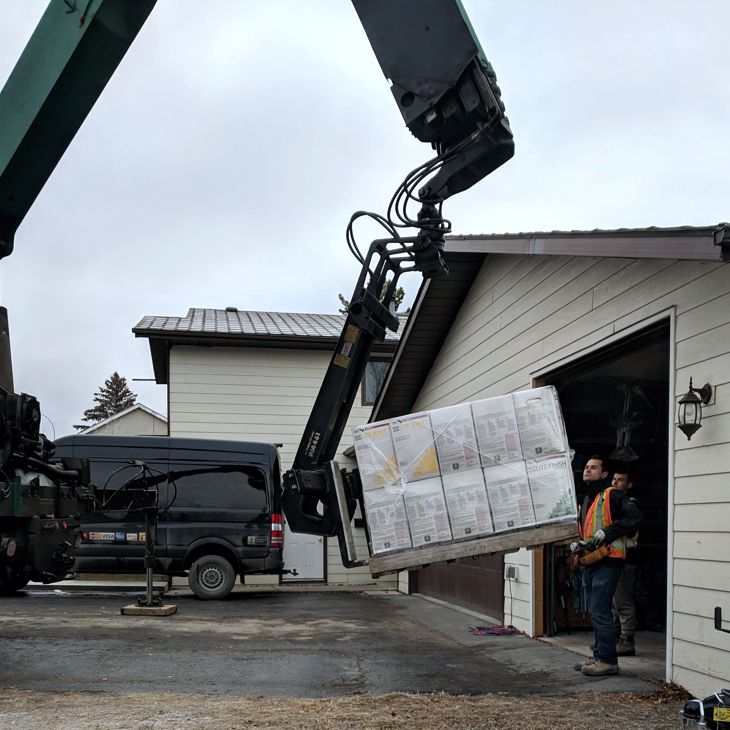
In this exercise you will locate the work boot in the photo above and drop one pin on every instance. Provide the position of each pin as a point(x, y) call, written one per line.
point(626, 647)
point(579, 666)
point(599, 669)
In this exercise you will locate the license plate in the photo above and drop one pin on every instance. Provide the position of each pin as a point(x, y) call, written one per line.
point(721, 714)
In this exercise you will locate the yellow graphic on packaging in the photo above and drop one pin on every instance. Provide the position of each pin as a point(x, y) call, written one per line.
point(425, 465)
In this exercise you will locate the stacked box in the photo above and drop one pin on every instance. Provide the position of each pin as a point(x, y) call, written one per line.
point(497, 432)
point(428, 518)
point(387, 520)
point(540, 422)
point(509, 496)
point(467, 503)
point(415, 448)
point(552, 487)
point(473, 469)
point(375, 456)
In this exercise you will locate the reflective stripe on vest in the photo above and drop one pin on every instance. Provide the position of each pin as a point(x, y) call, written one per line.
point(599, 518)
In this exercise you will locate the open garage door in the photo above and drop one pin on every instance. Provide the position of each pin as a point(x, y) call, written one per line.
point(616, 404)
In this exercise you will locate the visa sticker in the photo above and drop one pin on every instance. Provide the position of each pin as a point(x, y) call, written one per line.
point(106, 536)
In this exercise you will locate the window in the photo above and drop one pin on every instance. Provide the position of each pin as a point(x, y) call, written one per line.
point(373, 380)
point(217, 487)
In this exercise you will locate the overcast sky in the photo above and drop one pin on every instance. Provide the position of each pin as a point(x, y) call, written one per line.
point(222, 163)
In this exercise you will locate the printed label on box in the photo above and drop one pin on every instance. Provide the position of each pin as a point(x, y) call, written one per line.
point(552, 488)
point(414, 447)
point(375, 456)
point(387, 521)
point(509, 496)
point(427, 515)
point(456, 441)
point(467, 504)
point(496, 426)
point(540, 422)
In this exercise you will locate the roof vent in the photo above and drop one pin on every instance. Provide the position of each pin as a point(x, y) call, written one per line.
point(231, 309)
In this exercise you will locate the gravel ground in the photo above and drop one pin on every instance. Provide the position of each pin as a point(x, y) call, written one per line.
point(23, 710)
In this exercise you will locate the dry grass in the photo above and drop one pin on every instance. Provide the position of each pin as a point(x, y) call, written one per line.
point(23, 710)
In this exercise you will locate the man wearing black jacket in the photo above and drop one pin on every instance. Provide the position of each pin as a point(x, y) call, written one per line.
point(606, 518)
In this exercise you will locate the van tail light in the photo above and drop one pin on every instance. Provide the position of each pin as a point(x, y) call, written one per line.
point(277, 531)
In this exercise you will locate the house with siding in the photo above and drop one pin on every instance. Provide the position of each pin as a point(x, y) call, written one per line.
point(137, 420)
point(235, 374)
point(619, 322)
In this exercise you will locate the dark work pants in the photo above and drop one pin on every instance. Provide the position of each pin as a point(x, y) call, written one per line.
point(600, 581)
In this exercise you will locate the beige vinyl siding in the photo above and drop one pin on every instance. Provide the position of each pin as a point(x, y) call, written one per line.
point(526, 313)
point(135, 423)
point(259, 394)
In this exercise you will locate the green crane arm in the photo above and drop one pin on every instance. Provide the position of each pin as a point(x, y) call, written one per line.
point(68, 61)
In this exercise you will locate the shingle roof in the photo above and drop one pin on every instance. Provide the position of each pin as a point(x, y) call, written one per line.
point(242, 323)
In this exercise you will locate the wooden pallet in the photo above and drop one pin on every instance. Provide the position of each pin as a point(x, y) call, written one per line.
point(504, 542)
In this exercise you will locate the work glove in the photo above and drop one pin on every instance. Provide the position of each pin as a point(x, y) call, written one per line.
point(598, 538)
point(574, 547)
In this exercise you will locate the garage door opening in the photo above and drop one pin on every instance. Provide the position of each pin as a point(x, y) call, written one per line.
point(616, 403)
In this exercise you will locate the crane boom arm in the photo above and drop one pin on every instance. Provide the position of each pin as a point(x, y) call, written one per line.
point(65, 66)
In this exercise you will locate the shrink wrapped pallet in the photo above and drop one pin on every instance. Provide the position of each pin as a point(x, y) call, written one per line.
point(466, 472)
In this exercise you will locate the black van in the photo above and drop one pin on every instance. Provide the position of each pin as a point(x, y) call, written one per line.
point(220, 508)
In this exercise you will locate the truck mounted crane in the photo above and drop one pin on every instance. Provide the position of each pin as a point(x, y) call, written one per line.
point(447, 93)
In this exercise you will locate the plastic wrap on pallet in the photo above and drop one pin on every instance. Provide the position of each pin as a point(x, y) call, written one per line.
point(387, 520)
point(415, 448)
point(467, 503)
point(375, 456)
point(508, 491)
point(427, 514)
point(540, 422)
point(472, 470)
point(455, 437)
point(552, 488)
point(497, 433)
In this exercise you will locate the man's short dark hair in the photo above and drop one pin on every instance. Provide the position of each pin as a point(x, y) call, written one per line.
point(602, 459)
point(625, 471)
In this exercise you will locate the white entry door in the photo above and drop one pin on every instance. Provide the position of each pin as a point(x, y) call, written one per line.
point(303, 553)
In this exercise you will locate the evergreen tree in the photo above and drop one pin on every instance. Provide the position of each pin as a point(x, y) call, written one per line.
point(398, 296)
point(114, 396)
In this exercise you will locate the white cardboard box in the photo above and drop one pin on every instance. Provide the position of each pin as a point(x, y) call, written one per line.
point(456, 440)
point(414, 447)
point(427, 514)
point(540, 422)
point(375, 456)
point(509, 496)
point(467, 503)
point(552, 487)
point(387, 521)
point(497, 433)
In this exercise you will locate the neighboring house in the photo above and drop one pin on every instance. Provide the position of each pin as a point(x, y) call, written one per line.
point(137, 420)
point(254, 376)
point(619, 321)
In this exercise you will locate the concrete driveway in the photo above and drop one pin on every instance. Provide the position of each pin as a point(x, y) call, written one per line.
point(284, 644)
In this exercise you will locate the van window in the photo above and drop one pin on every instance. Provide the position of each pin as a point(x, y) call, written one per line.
point(217, 487)
point(110, 476)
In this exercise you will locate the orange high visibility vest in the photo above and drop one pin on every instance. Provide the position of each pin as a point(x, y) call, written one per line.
point(599, 518)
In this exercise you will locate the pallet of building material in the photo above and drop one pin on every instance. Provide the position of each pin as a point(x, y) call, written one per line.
point(505, 542)
point(467, 479)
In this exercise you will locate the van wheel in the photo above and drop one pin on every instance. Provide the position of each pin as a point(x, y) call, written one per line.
point(211, 577)
point(11, 582)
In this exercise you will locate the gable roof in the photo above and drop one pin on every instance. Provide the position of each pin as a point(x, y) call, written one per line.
point(439, 300)
point(121, 414)
point(232, 327)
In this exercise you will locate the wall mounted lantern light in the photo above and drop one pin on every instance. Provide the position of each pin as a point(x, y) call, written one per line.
point(690, 409)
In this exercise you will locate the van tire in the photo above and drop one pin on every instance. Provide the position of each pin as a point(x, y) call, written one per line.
point(211, 577)
point(11, 583)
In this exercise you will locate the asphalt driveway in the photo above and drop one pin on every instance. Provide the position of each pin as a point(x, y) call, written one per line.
point(275, 644)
